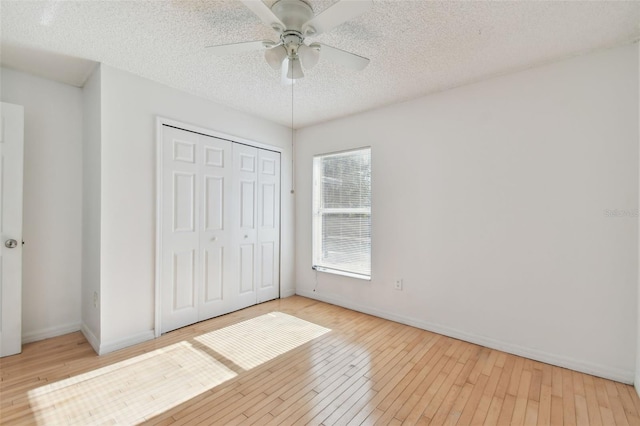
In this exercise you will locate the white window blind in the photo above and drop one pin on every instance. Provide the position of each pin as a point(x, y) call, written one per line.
point(342, 213)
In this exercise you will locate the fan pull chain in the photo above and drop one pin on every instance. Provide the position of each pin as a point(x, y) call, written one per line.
point(293, 175)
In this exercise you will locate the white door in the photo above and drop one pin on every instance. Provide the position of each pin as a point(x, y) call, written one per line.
point(11, 160)
point(268, 244)
point(196, 282)
point(216, 174)
point(180, 237)
point(245, 167)
point(219, 227)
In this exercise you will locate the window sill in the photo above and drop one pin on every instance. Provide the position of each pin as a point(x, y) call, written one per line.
point(343, 273)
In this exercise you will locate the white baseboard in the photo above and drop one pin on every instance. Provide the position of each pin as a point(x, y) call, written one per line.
point(287, 293)
point(107, 347)
point(34, 336)
point(619, 375)
point(91, 338)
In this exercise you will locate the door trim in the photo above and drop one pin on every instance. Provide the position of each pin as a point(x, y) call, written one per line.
point(163, 121)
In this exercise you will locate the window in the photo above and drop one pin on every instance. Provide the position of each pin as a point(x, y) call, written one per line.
point(342, 213)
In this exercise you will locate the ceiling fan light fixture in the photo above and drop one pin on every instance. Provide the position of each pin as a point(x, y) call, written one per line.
point(294, 20)
point(275, 56)
point(309, 55)
point(294, 70)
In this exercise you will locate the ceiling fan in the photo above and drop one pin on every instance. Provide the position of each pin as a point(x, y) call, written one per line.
point(295, 21)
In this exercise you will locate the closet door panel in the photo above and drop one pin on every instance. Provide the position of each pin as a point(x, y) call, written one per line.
point(247, 267)
point(245, 163)
point(179, 228)
point(213, 274)
point(267, 265)
point(184, 281)
point(219, 283)
point(214, 203)
point(268, 235)
point(247, 204)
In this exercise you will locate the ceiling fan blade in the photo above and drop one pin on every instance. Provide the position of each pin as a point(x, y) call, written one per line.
point(335, 15)
point(344, 58)
point(265, 14)
point(247, 46)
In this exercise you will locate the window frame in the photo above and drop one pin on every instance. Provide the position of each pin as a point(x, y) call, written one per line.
point(318, 213)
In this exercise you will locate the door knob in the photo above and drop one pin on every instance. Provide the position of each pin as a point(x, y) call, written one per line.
point(11, 244)
point(246, 236)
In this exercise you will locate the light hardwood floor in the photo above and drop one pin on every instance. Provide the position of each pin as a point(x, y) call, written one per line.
point(328, 365)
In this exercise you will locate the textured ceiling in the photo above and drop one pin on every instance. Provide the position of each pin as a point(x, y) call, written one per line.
point(415, 47)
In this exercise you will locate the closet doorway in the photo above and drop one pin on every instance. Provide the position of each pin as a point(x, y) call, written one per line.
point(218, 225)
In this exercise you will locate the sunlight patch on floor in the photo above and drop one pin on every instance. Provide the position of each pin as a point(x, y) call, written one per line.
point(258, 340)
point(130, 391)
point(137, 389)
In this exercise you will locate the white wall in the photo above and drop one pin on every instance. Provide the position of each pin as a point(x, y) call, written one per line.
point(91, 194)
point(52, 202)
point(490, 201)
point(130, 105)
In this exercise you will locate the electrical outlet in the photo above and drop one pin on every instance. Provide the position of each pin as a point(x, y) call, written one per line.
point(398, 284)
point(95, 299)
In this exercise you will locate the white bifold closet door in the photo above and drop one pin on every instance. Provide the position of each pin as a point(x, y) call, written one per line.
point(220, 227)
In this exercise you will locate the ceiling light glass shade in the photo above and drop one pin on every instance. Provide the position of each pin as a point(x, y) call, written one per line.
point(295, 69)
point(308, 56)
point(275, 56)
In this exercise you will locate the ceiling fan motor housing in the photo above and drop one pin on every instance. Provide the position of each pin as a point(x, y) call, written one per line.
point(293, 14)
point(291, 40)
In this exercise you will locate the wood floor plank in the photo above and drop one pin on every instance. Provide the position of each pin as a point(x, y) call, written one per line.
point(595, 418)
point(627, 403)
point(568, 400)
point(618, 410)
point(418, 375)
point(544, 407)
point(531, 413)
point(520, 408)
point(437, 400)
point(453, 416)
point(430, 390)
point(505, 378)
point(494, 411)
point(425, 378)
point(633, 394)
point(483, 358)
point(487, 396)
point(364, 370)
point(536, 384)
point(556, 381)
point(471, 405)
point(395, 399)
point(557, 416)
point(514, 382)
point(506, 412)
point(448, 389)
point(582, 412)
